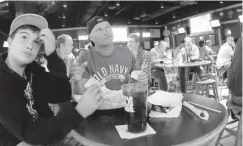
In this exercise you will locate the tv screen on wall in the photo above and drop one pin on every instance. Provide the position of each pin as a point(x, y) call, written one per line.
point(200, 24)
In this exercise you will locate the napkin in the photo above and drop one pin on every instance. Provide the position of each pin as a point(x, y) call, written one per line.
point(165, 99)
point(124, 134)
point(173, 113)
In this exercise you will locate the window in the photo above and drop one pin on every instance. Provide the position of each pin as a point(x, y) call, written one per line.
point(119, 34)
point(83, 37)
point(146, 34)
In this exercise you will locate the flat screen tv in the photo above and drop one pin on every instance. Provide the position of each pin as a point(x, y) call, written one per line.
point(215, 23)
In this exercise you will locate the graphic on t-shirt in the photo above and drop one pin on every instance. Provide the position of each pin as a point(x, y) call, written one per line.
point(28, 92)
point(112, 72)
point(112, 75)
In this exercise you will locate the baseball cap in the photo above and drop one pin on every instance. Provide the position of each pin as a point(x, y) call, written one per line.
point(28, 19)
point(93, 21)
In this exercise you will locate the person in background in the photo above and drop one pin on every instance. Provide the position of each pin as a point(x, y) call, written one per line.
point(177, 50)
point(193, 52)
point(26, 89)
point(143, 58)
point(64, 50)
point(190, 49)
point(208, 47)
point(163, 46)
point(156, 55)
point(235, 75)
point(107, 63)
point(225, 54)
point(156, 45)
point(204, 54)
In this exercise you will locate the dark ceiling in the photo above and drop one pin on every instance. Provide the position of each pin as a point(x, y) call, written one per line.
point(77, 13)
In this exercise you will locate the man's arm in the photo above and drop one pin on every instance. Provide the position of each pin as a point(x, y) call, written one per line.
point(146, 65)
point(56, 83)
point(78, 86)
point(154, 56)
point(210, 58)
point(195, 53)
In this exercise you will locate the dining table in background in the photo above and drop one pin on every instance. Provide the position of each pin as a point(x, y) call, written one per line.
point(186, 130)
point(182, 70)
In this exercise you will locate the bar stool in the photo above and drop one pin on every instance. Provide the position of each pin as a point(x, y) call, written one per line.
point(154, 84)
point(238, 133)
point(202, 88)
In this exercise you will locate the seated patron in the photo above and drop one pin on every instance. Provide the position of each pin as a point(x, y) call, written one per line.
point(160, 52)
point(225, 54)
point(192, 52)
point(143, 57)
point(208, 47)
point(177, 50)
point(204, 53)
point(156, 55)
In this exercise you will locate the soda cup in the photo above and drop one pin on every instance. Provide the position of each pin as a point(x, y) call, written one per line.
point(136, 106)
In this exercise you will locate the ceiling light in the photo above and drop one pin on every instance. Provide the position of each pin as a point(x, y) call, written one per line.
point(221, 2)
point(136, 18)
point(174, 16)
point(64, 5)
point(162, 5)
point(53, 3)
point(117, 3)
point(112, 7)
point(106, 15)
point(156, 22)
point(63, 25)
point(143, 15)
point(64, 17)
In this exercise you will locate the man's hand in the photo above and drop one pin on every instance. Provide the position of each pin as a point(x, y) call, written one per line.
point(90, 101)
point(48, 38)
point(77, 71)
point(143, 77)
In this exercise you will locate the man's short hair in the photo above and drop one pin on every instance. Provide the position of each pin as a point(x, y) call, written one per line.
point(201, 43)
point(30, 27)
point(187, 38)
point(135, 37)
point(229, 36)
point(62, 39)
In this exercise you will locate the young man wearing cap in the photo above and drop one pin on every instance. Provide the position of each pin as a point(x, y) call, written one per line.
point(26, 89)
point(109, 64)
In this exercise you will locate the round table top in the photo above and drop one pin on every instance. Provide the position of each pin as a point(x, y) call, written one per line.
point(190, 64)
point(187, 129)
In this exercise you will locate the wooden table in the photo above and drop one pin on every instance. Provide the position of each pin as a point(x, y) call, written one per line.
point(182, 67)
point(186, 130)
